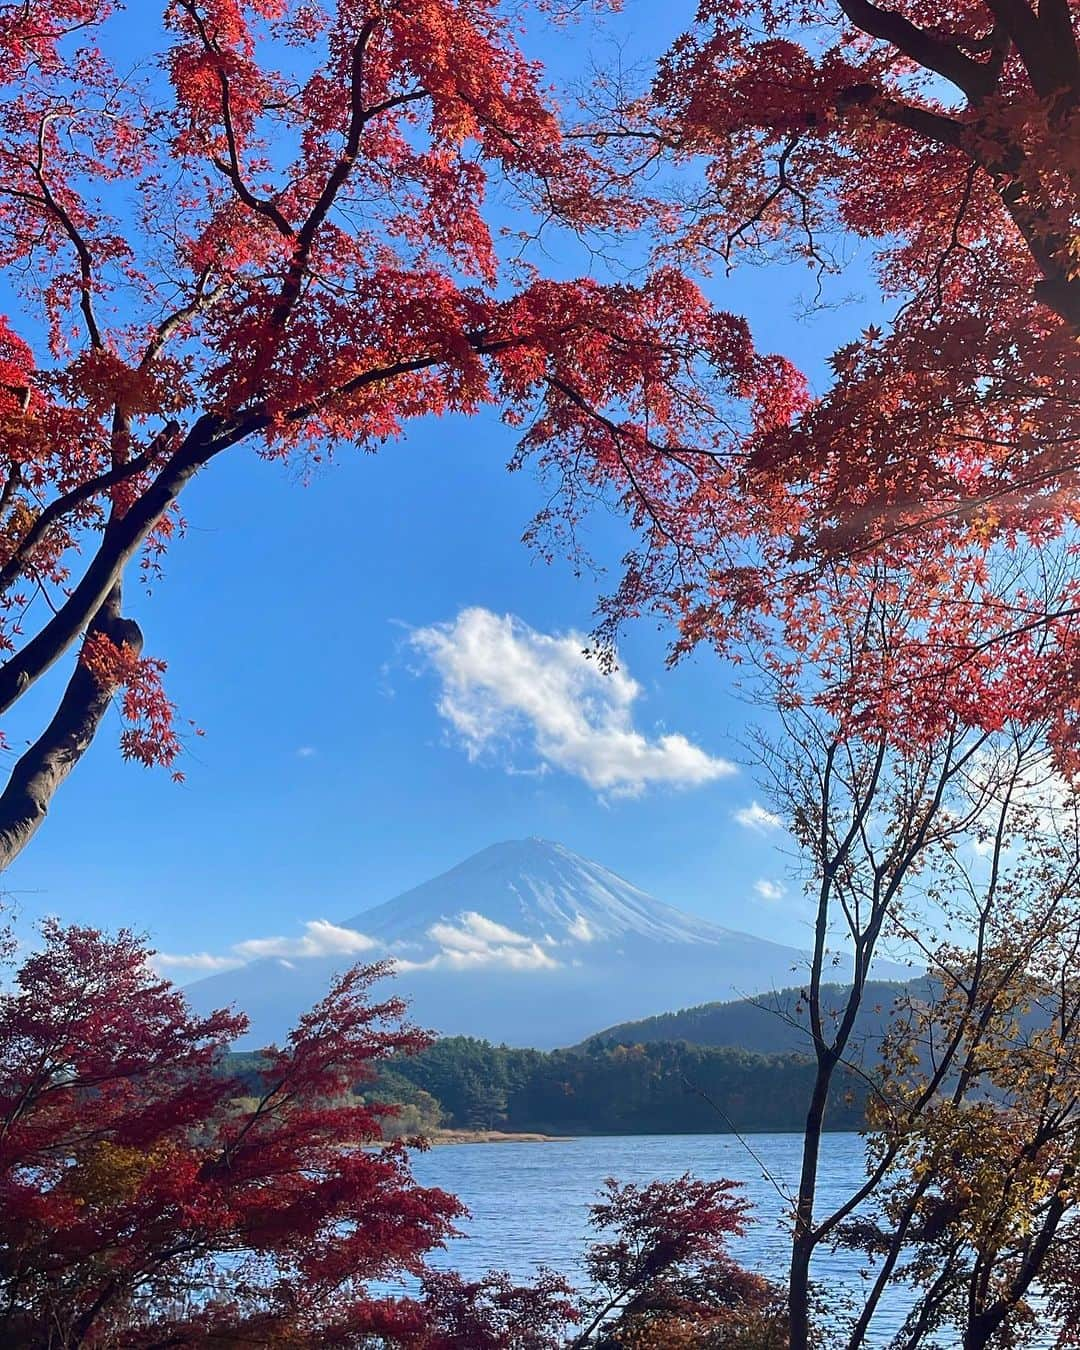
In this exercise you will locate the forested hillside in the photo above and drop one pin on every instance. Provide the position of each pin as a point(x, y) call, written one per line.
point(767, 1024)
point(611, 1088)
point(603, 1088)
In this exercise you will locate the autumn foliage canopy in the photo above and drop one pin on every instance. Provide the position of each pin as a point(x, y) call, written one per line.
point(147, 1202)
point(941, 458)
point(274, 233)
point(306, 264)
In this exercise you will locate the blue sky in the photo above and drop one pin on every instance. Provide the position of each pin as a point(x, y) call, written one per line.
point(329, 779)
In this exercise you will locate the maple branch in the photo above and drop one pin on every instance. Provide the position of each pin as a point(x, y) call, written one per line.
point(334, 182)
point(961, 1032)
point(82, 250)
point(774, 194)
point(934, 126)
point(1058, 290)
point(201, 301)
point(618, 435)
point(965, 506)
point(1056, 21)
point(232, 168)
point(359, 116)
point(986, 1322)
point(257, 204)
point(396, 101)
point(944, 58)
point(954, 234)
point(1022, 24)
point(12, 481)
point(61, 506)
point(481, 344)
point(207, 438)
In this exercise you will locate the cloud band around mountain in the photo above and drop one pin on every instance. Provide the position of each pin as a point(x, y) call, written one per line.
point(469, 941)
point(319, 938)
point(478, 941)
point(503, 681)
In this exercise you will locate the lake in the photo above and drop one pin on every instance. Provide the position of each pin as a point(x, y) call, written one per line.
point(529, 1201)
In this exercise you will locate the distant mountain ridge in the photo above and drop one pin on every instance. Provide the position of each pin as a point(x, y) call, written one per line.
point(525, 943)
point(773, 1024)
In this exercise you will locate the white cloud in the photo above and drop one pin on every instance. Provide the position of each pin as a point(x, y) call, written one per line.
point(306, 752)
point(581, 929)
point(536, 771)
point(468, 941)
point(473, 940)
point(474, 933)
point(769, 890)
point(756, 817)
point(530, 957)
point(320, 938)
point(502, 679)
point(194, 961)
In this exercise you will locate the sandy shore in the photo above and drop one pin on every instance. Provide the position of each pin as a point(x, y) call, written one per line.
point(491, 1137)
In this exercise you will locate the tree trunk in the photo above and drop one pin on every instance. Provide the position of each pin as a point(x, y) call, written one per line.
point(38, 775)
point(120, 542)
point(804, 1240)
point(982, 1325)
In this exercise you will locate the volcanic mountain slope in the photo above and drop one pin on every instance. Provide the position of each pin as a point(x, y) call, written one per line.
point(525, 943)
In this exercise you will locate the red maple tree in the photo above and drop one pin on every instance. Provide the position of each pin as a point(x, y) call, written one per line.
point(306, 263)
point(942, 458)
point(146, 1201)
point(951, 137)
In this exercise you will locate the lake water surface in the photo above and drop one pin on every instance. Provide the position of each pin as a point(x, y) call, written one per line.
point(529, 1201)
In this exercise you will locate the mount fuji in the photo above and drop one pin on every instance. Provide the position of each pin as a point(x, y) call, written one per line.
point(525, 943)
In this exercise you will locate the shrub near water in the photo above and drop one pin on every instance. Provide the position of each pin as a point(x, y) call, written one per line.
point(131, 1176)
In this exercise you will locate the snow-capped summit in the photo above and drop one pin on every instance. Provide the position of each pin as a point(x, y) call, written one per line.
point(539, 889)
point(524, 942)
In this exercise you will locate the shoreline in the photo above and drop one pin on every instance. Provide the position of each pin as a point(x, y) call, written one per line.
point(441, 1137)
